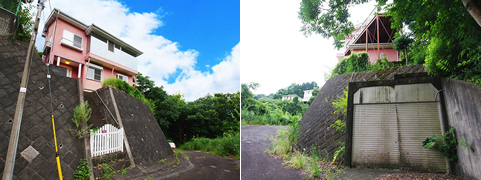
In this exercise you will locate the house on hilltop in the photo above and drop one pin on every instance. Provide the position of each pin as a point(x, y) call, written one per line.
point(87, 51)
point(374, 36)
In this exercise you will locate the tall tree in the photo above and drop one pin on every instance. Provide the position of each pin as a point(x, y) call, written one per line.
point(328, 19)
point(452, 36)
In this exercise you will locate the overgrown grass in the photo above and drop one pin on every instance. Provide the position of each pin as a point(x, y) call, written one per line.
point(226, 146)
point(311, 164)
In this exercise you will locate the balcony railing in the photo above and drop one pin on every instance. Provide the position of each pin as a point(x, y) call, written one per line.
point(74, 45)
point(100, 48)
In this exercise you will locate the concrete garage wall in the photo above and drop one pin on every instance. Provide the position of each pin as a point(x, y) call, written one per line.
point(315, 124)
point(463, 104)
point(147, 141)
point(36, 135)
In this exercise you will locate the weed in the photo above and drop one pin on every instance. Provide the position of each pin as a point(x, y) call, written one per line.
point(124, 172)
point(162, 161)
point(81, 115)
point(445, 144)
point(107, 170)
point(464, 143)
point(82, 172)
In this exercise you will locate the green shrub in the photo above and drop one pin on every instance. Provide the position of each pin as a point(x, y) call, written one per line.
point(356, 62)
point(127, 88)
point(81, 115)
point(445, 144)
point(82, 172)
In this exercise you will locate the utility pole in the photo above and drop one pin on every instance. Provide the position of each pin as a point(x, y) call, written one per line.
point(17, 120)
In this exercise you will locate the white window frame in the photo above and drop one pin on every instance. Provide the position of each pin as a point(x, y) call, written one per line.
point(68, 39)
point(123, 77)
point(94, 68)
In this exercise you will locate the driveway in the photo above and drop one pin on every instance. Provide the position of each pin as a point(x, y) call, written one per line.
point(255, 162)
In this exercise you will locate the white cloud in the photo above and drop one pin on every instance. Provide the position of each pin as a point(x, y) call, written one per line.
point(224, 78)
point(162, 57)
point(275, 53)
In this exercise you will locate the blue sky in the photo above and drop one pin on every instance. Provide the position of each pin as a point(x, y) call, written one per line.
point(210, 27)
point(190, 47)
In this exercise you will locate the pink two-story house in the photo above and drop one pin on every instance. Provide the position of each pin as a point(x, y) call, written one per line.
point(87, 52)
point(373, 36)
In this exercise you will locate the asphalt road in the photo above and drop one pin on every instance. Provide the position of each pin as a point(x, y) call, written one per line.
point(198, 166)
point(258, 164)
point(208, 166)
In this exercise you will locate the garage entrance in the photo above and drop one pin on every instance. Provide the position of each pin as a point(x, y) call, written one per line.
point(389, 124)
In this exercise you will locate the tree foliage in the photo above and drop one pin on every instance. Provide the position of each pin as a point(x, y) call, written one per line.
point(272, 110)
point(210, 116)
point(401, 43)
point(330, 19)
point(447, 33)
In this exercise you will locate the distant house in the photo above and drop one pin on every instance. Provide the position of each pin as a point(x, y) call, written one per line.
point(374, 36)
point(307, 95)
point(87, 51)
point(289, 97)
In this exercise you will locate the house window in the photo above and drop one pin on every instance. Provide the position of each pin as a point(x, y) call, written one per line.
point(111, 46)
point(94, 72)
point(72, 40)
point(120, 76)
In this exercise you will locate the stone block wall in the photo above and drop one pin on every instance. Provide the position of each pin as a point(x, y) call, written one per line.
point(463, 106)
point(315, 124)
point(146, 139)
point(36, 133)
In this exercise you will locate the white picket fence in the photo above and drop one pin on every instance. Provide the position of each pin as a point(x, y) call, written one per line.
point(107, 139)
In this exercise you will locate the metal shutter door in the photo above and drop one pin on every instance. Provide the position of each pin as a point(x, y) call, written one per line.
point(375, 136)
point(417, 122)
point(391, 135)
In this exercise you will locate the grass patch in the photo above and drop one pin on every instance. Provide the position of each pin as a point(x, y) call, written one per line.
point(311, 164)
point(226, 146)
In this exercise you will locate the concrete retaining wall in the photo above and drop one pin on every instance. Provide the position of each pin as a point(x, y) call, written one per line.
point(463, 104)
